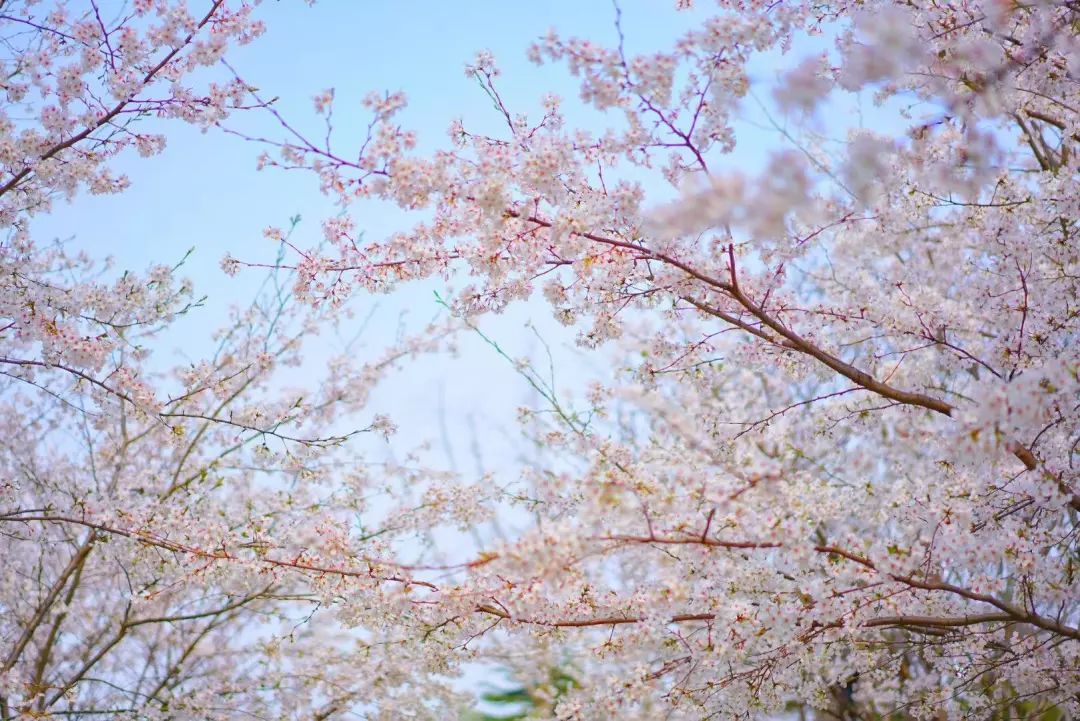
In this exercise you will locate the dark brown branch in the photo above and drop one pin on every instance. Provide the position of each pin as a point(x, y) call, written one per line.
point(939, 622)
point(46, 603)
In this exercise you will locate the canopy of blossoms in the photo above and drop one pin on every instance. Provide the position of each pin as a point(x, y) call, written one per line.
point(834, 466)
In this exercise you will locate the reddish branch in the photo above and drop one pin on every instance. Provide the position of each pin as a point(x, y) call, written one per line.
point(1009, 612)
point(587, 622)
point(150, 539)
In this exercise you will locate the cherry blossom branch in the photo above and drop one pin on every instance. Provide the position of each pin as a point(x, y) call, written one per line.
point(794, 341)
point(791, 339)
point(150, 539)
point(939, 622)
point(126, 626)
point(46, 604)
point(117, 109)
point(1014, 612)
point(270, 430)
point(587, 622)
point(73, 371)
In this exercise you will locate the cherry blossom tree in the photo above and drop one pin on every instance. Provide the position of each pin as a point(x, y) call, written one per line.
point(167, 531)
point(833, 468)
point(850, 478)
